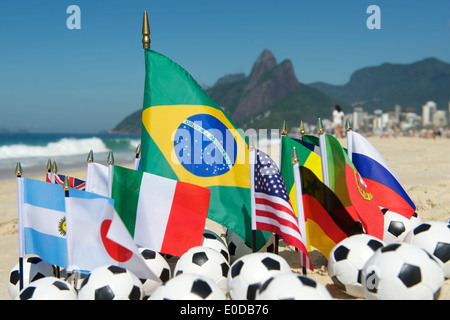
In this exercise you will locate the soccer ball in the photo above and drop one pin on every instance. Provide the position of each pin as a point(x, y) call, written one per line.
point(48, 288)
point(156, 263)
point(34, 268)
point(396, 226)
point(213, 241)
point(238, 248)
point(434, 238)
point(248, 273)
point(189, 286)
point(402, 271)
point(291, 286)
point(207, 262)
point(111, 283)
point(347, 259)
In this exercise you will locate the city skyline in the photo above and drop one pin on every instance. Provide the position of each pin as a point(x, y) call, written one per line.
point(89, 79)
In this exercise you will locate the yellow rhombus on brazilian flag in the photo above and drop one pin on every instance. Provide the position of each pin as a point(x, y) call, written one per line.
point(186, 136)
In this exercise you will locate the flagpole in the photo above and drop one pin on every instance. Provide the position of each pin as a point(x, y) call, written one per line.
point(145, 32)
point(54, 171)
point(66, 188)
point(49, 169)
point(137, 157)
point(252, 161)
point(283, 133)
point(20, 200)
point(302, 130)
point(110, 162)
point(89, 160)
point(323, 153)
point(301, 218)
point(348, 128)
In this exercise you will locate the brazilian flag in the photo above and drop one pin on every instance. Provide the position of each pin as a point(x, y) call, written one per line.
point(186, 136)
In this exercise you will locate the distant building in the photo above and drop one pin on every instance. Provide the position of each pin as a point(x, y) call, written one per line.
point(439, 118)
point(428, 111)
point(358, 119)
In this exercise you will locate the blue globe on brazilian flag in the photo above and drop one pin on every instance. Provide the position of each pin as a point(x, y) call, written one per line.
point(186, 136)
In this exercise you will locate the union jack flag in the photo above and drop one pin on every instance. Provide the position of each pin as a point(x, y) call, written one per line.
point(273, 209)
point(59, 179)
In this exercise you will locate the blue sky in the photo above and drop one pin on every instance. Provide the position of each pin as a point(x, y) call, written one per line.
point(53, 79)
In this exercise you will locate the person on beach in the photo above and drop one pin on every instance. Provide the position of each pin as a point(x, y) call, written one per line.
point(337, 119)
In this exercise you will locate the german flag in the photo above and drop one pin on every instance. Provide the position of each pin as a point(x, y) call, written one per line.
point(327, 220)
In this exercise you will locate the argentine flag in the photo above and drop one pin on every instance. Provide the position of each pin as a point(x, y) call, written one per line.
point(42, 221)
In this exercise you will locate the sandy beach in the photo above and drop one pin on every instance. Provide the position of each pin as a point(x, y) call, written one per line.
point(422, 166)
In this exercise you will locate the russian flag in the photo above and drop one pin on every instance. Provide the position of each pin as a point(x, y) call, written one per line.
point(379, 177)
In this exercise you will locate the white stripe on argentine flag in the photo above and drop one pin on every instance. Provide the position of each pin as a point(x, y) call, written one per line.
point(43, 217)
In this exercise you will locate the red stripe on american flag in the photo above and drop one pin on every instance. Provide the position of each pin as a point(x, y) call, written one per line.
point(277, 206)
point(280, 219)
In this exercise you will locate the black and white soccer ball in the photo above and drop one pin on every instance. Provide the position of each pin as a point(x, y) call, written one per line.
point(212, 240)
point(291, 286)
point(434, 238)
point(159, 266)
point(402, 271)
point(248, 273)
point(48, 288)
point(34, 268)
point(207, 262)
point(396, 226)
point(111, 283)
point(238, 248)
point(189, 286)
point(347, 259)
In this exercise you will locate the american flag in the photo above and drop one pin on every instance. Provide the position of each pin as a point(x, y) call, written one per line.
point(59, 179)
point(273, 209)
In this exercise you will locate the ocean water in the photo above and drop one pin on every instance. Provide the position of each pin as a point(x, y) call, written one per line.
point(68, 150)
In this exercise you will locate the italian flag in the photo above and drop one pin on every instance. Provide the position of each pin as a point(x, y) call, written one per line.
point(161, 214)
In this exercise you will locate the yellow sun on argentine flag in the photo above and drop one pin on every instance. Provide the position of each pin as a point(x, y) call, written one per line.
point(62, 226)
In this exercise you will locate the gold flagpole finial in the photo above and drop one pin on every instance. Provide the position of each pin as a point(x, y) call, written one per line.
point(138, 150)
point(18, 172)
point(302, 128)
point(54, 167)
point(110, 159)
point(66, 186)
point(145, 32)
point(90, 157)
point(320, 129)
point(283, 131)
point(251, 145)
point(348, 125)
point(294, 157)
point(49, 165)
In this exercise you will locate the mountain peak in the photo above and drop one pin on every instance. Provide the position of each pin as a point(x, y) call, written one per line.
point(265, 62)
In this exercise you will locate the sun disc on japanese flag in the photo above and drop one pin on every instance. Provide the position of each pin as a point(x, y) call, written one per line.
point(115, 250)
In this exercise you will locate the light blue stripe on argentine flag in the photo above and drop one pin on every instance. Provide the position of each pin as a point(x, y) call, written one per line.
point(43, 214)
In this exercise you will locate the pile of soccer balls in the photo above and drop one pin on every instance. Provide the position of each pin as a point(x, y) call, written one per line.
point(408, 264)
point(411, 262)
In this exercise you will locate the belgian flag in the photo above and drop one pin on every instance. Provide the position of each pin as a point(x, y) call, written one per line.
point(327, 220)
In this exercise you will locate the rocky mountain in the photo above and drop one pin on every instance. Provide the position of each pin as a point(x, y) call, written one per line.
point(269, 95)
point(384, 86)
